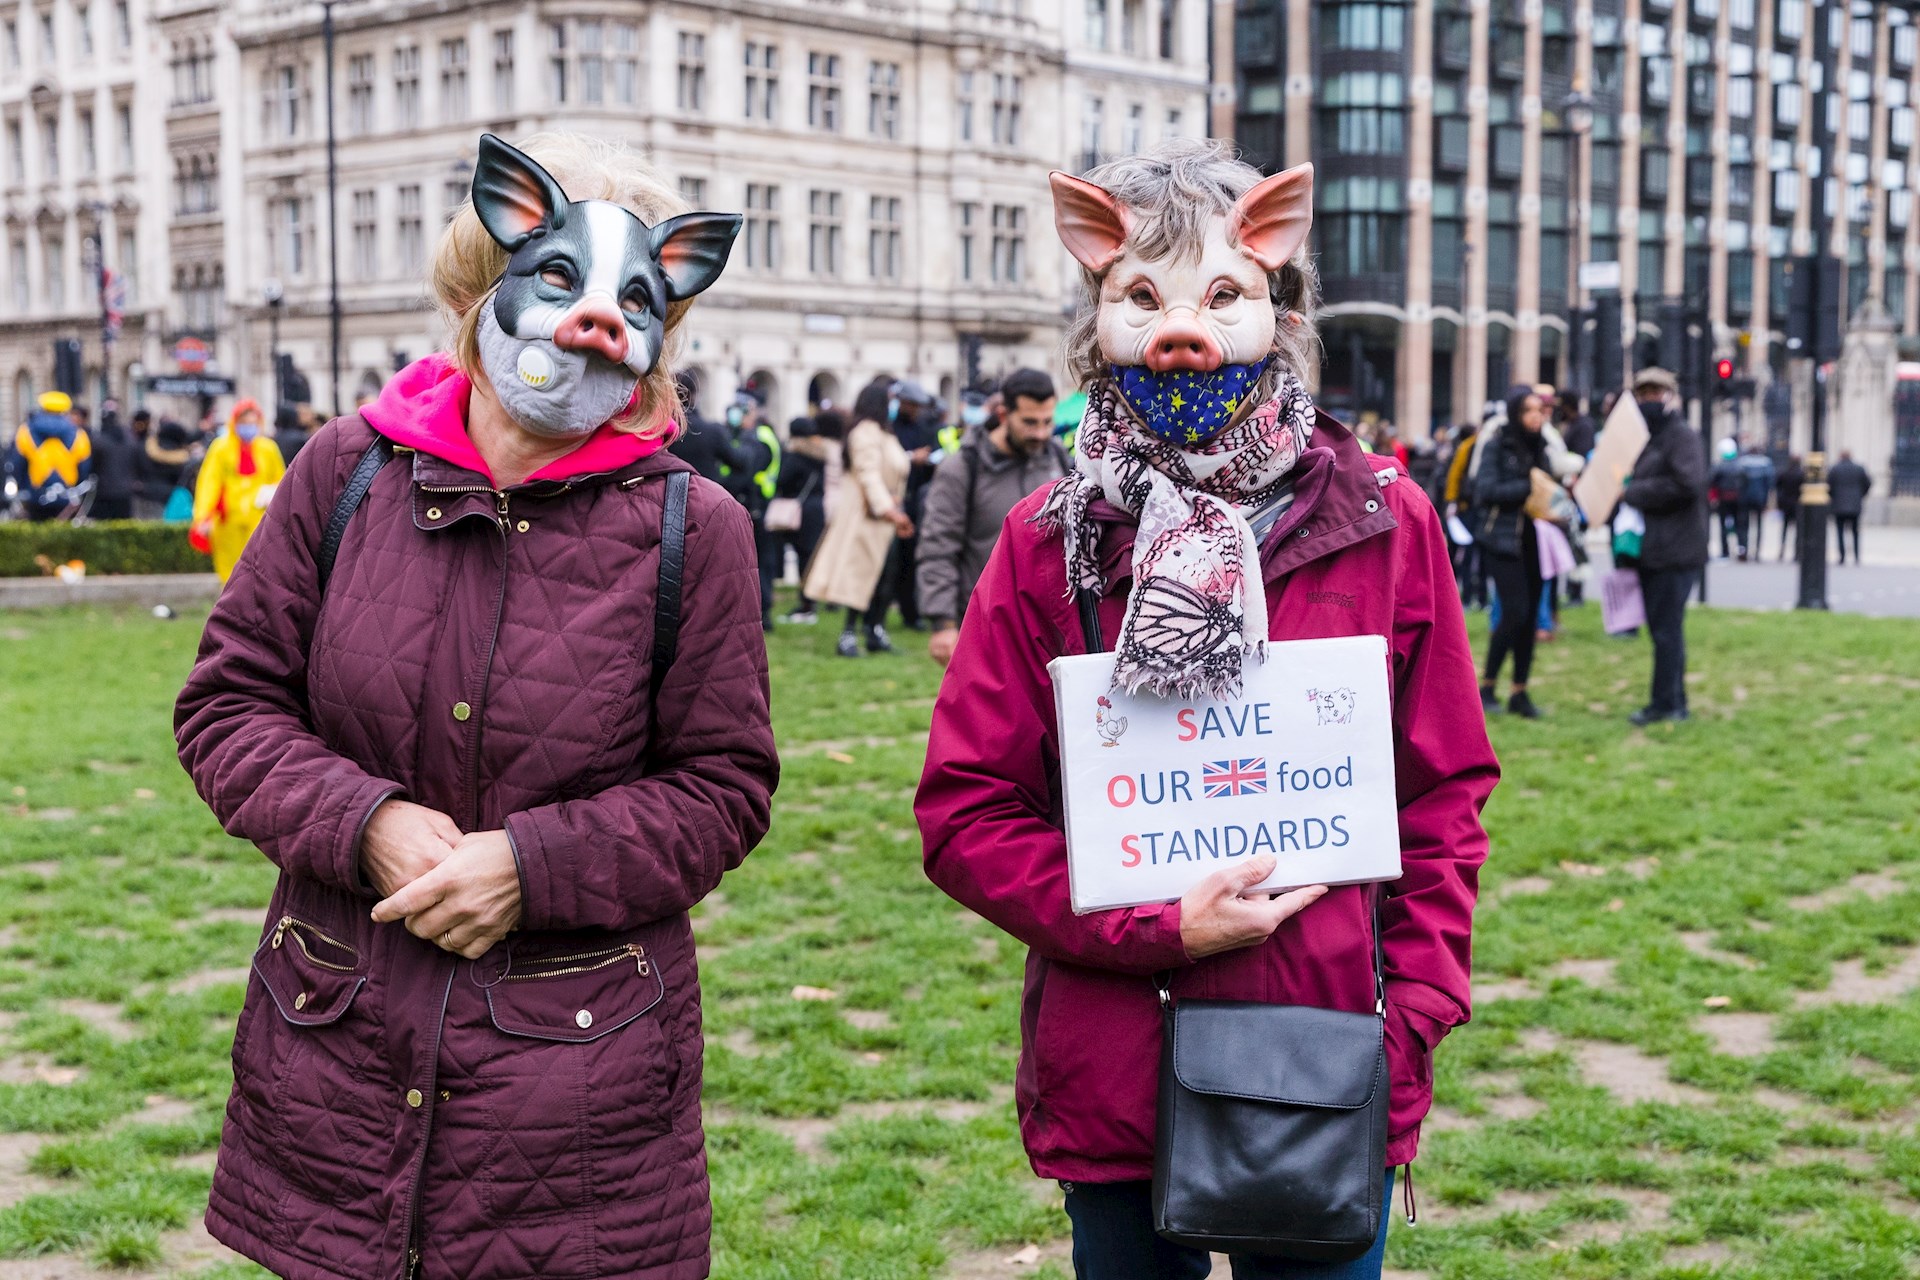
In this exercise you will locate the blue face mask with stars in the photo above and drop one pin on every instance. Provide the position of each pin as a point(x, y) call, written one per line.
point(1184, 407)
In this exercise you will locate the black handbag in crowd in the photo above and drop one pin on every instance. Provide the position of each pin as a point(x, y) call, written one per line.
point(1272, 1135)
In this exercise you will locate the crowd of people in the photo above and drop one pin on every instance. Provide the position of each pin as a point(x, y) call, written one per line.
point(892, 504)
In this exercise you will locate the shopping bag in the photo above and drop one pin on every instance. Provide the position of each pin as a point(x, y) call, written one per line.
point(1622, 608)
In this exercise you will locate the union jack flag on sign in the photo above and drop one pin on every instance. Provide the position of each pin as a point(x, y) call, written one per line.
point(1244, 777)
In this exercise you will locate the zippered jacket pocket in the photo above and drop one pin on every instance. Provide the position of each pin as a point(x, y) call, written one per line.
point(575, 994)
point(312, 976)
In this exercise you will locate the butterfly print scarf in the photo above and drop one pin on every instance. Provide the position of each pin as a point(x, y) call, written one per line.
point(1199, 606)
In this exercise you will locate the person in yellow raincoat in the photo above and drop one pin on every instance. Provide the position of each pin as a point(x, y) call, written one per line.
point(237, 480)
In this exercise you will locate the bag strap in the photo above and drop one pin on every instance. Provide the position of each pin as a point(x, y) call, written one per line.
point(1089, 602)
point(378, 454)
point(673, 566)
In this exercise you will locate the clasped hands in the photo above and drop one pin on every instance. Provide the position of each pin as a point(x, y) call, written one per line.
point(460, 892)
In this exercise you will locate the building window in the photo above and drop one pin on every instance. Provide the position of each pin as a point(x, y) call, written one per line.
point(83, 26)
point(963, 104)
point(1133, 130)
point(626, 64)
point(366, 234)
point(1006, 110)
point(1859, 121)
point(283, 102)
point(122, 25)
point(49, 148)
point(16, 153)
point(1093, 129)
point(763, 227)
point(1360, 227)
point(1653, 173)
point(1097, 24)
point(89, 144)
point(411, 240)
point(1361, 114)
point(694, 191)
point(1740, 186)
point(406, 87)
point(123, 137)
point(10, 29)
point(1905, 37)
point(454, 194)
point(503, 73)
point(49, 47)
point(557, 63)
point(969, 242)
point(130, 267)
point(53, 252)
point(360, 95)
point(1900, 126)
point(823, 92)
point(17, 268)
point(1786, 194)
point(1169, 27)
point(883, 100)
point(1605, 162)
point(1454, 39)
point(1009, 264)
point(1173, 123)
point(1509, 150)
point(1455, 141)
point(1792, 19)
point(593, 62)
point(762, 81)
point(823, 233)
point(1787, 100)
point(1740, 97)
point(1863, 37)
point(453, 80)
point(1363, 25)
point(883, 237)
point(287, 235)
point(1449, 235)
point(691, 94)
point(1657, 81)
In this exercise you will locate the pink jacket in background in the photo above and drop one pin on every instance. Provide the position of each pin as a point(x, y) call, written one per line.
point(1360, 552)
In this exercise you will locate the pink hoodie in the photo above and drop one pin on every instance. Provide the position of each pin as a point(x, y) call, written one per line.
point(424, 407)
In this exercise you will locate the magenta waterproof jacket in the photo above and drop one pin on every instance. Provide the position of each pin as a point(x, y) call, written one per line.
point(535, 1114)
point(1360, 552)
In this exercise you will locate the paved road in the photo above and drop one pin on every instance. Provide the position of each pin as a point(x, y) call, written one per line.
point(1886, 586)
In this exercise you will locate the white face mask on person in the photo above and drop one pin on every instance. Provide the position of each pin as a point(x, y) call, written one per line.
point(547, 389)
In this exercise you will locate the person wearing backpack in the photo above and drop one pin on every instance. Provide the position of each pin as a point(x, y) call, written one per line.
point(1756, 475)
point(972, 492)
point(487, 687)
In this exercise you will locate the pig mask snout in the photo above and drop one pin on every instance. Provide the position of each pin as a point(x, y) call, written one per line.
point(1181, 342)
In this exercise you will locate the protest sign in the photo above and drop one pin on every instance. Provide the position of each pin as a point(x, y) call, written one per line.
point(1621, 439)
point(1162, 792)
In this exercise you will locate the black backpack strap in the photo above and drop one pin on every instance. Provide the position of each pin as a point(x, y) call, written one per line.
point(673, 568)
point(378, 454)
point(1089, 602)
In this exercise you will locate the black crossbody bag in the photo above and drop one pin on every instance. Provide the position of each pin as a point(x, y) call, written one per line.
point(1272, 1131)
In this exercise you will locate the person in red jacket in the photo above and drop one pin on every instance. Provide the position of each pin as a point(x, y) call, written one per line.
point(1297, 534)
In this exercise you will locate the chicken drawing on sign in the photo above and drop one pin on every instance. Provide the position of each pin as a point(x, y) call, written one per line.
point(1108, 725)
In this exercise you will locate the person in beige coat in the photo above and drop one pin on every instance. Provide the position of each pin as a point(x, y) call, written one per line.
point(865, 518)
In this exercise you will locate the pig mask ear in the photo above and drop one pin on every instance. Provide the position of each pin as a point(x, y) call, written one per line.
point(515, 198)
point(691, 250)
point(1271, 221)
point(1092, 224)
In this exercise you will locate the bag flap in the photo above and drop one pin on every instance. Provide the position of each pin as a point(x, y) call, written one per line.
point(1292, 1054)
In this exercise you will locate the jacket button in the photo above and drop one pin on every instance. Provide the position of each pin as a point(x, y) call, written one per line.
point(414, 1098)
point(1305, 532)
point(433, 513)
point(461, 711)
point(523, 526)
point(300, 1001)
point(583, 1019)
point(1372, 505)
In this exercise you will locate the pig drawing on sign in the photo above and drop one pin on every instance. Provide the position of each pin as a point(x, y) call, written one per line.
point(1333, 706)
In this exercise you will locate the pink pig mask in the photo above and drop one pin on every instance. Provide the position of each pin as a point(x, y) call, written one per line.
point(1193, 312)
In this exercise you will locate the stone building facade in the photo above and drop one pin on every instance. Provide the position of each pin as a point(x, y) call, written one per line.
point(890, 158)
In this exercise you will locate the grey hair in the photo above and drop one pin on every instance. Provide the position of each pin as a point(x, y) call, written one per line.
point(1172, 191)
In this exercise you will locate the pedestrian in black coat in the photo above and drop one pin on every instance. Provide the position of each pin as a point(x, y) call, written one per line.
point(1502, 484)
point(116, 456)
point(1786, 496)
point(158, 469)
point(1847, 486)
point(1668, 486)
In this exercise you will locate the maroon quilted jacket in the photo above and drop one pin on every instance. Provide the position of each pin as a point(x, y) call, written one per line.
point(398, 1111)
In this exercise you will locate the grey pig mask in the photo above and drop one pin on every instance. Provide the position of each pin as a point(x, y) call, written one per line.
point(581, 313)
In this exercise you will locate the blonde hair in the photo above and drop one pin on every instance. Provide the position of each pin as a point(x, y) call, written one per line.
point(468, 264)
point(1172, 190)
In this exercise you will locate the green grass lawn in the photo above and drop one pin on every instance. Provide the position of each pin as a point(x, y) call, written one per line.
point(1696, 1050)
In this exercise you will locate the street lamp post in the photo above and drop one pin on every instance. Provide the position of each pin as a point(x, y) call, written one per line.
point(1813, 494)
point(275, 297)
point(333, 211)
point(1577, 108)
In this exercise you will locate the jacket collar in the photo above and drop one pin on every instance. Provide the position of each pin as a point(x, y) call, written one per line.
point(1336, 503)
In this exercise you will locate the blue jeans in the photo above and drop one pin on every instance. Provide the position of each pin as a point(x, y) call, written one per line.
point(1114, 1239)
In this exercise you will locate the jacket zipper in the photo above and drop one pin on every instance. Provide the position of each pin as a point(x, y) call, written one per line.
point(289, 925)
point(500, 503)
point(593, 960)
